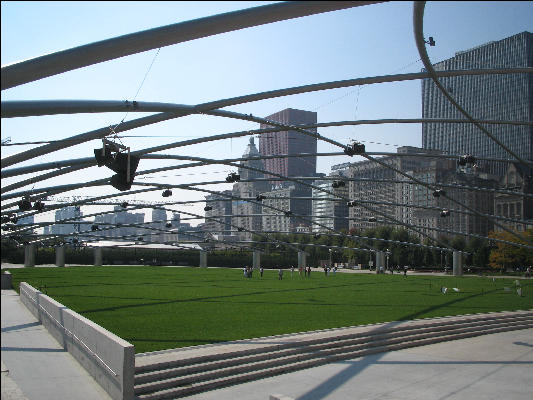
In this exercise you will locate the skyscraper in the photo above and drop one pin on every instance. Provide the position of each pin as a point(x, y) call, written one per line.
point(218, 216)
point(247, 215)
point(72, 213)
point(296, 145)
point(485, 97)
point(159, 218)
point(290, 142)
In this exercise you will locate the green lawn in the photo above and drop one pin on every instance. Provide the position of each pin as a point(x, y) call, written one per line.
point(158, 308)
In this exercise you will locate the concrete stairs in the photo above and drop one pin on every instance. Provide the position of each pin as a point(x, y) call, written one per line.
point(182, 372)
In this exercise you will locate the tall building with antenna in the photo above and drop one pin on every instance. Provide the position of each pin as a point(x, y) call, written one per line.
point(247, 214)
point(504, 97)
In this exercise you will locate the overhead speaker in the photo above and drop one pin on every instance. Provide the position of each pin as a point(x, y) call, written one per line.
point(121, 182)
point(118, 162)
point(24, 204)
point(103, 159)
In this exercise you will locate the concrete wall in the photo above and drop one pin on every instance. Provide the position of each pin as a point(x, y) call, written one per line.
point(6, 280)
point(91, 345)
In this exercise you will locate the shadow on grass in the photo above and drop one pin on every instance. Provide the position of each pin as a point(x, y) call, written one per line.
point(194, 299)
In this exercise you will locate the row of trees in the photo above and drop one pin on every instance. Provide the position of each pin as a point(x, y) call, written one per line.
point(347, 248)
point(482, 253)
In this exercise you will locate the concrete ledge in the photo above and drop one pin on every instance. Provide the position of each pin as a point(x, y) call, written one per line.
point(6, 280)
point(109, 359)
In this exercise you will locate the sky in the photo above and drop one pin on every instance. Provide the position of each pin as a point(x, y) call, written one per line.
point(359, 42)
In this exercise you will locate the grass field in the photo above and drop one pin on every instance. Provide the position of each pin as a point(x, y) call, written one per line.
point(158, 308)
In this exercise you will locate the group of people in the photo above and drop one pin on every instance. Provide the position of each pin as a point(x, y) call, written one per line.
point(305, 271)
point(301, 270)
point(248, 271)
point(329, 270)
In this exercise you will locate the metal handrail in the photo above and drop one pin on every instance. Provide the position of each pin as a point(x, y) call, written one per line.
point(69, 332)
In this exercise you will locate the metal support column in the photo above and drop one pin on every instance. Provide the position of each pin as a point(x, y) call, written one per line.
point(256, 259)
point(60, 256)
point(380, 261)
point(302, 259)
point(457, 263)
point(29, 255)
point(98, 257)
point(203, 259)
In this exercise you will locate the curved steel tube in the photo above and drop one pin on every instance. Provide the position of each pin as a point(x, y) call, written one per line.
point(202, 108)
point(105, 50)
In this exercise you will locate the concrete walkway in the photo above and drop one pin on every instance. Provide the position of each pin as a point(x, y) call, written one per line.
point(34, 366)
point(497, 366)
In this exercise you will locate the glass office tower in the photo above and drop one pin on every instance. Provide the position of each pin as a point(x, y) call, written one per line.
point(506, 97)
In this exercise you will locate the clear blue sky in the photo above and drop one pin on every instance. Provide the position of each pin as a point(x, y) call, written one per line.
point(358, 42)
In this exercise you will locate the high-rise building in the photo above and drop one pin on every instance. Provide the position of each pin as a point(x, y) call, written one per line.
point(159, 220)
point(329, 211)
point(246, 214)
point(290, 142)
point(72, 213)
point(377, 191)
point(519, 206)
point(289, 207)
point(506, 97)
point(437, 215)
point(218, 215)
point(299, 164)
point(117, 225)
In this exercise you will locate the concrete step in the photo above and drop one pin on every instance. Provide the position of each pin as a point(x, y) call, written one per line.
point(313, 346)
point(213, 382)
point(201, 354)
point(311, 352)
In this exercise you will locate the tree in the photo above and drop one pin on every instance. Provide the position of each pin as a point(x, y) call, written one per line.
point(458, 243)
point(479, 250)
point(507, 255)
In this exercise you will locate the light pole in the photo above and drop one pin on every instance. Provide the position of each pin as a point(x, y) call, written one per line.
point(387, 252)
point(330, 258)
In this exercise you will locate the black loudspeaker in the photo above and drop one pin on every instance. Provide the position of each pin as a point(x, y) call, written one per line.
point(24, 204)
point(103, 159)
point(38, 205)
point(120, 182)
point(118, 162)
